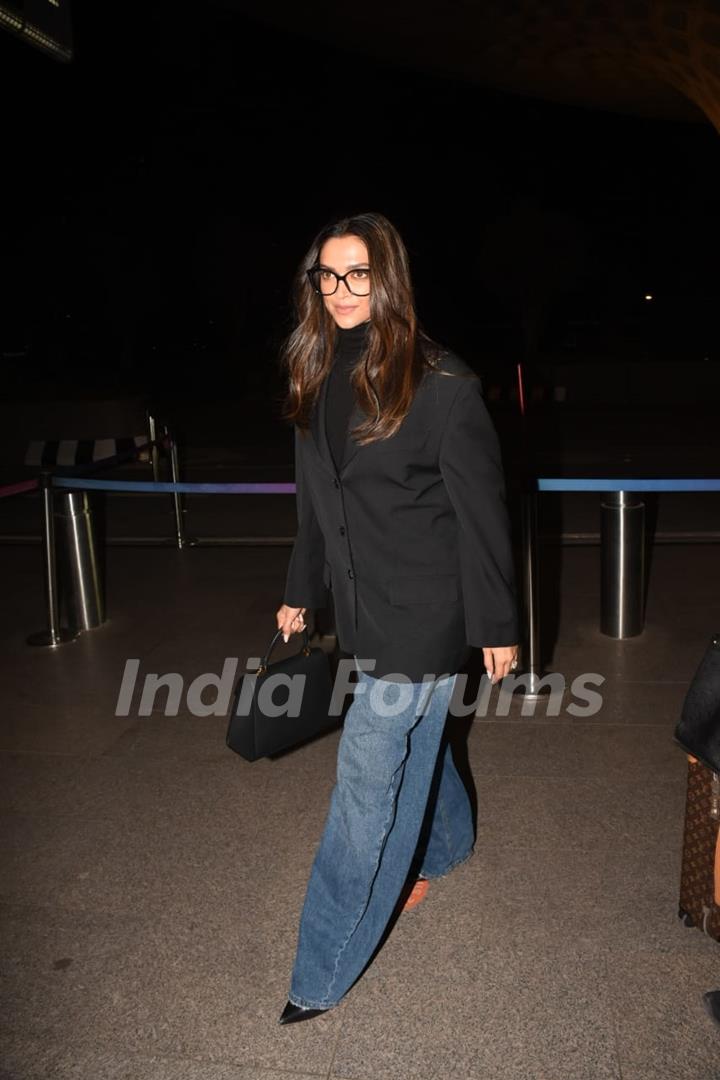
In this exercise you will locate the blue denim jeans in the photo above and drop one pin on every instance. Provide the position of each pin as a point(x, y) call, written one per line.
point(388, 764)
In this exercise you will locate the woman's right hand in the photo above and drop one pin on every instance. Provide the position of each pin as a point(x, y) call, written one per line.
point(290, 620)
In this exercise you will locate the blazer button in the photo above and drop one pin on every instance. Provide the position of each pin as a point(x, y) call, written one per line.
point(350, 574)
point(336, 483)
point(342, 530)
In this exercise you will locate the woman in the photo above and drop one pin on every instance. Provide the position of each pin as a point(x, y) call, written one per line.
point(401, 512)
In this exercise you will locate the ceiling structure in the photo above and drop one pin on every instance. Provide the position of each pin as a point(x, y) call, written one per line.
point(658, 59)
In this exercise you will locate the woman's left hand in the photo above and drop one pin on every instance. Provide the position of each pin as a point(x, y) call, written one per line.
point(500, 662)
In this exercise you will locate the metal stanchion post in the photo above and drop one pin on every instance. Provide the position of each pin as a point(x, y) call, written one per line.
point(180, 535)
point(622, 530)
point(154, 457)
point(54, 635)
point(80, 560)
point(532, 671)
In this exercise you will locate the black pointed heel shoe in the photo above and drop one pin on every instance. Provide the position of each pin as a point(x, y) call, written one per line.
point(292, 1013)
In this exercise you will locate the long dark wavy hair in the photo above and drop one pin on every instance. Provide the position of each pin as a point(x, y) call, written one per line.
point(398, 353)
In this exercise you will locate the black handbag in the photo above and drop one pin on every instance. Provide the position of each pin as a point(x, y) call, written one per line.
point(698, 730)
point(260, 721)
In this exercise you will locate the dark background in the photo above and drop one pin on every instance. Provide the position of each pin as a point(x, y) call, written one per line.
point(159, 191)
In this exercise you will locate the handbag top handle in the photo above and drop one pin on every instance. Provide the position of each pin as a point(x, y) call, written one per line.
point(266, 658)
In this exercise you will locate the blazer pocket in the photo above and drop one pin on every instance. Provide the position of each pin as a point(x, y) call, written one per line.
point(423, 589)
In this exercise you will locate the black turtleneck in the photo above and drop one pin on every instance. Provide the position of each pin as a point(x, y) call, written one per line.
point(349, 344)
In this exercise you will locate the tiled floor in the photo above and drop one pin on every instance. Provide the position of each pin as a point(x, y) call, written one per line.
point(152, 879)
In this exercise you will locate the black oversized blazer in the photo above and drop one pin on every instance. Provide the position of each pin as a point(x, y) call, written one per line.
point(412, 534)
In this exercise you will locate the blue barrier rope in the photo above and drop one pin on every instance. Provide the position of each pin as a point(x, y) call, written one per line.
point(633, 484)
point(543, 484)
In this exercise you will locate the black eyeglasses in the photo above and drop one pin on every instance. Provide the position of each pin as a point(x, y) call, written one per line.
point(326, 282)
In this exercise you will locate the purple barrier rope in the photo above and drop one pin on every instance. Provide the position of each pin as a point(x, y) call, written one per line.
point(168, 487)
point(16, 489)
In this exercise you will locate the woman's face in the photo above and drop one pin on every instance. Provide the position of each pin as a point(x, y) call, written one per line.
point(347, 255)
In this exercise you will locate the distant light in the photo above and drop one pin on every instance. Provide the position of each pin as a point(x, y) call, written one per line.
point(47, 26)
point(648, 296)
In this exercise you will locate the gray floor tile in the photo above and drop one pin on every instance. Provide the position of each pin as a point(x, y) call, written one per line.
point(67, 729)
point(117, 1066)
point(635, 702)
point(33, 783)
point(483, 1013)
point(662, 1027)
point(505, 747)
point(175, 986)
point(538, 895)
point(38, 1060)
point(93, 864)
point(25, 1058)
point(534, 812)
point(616, 700)
point(133, 788)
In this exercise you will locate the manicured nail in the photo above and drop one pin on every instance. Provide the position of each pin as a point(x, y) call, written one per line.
point(285, 637)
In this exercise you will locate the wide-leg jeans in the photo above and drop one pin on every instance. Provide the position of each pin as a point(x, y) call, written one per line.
point(389, 762)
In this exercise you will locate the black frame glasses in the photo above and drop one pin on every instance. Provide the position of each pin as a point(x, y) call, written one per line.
point(315, 270)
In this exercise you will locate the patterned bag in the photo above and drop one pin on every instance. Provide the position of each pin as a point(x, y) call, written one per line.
point(700, 872)
point(698, 732)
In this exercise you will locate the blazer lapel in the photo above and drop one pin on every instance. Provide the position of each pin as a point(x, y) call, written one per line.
point(318, 425)
point(319, 429)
